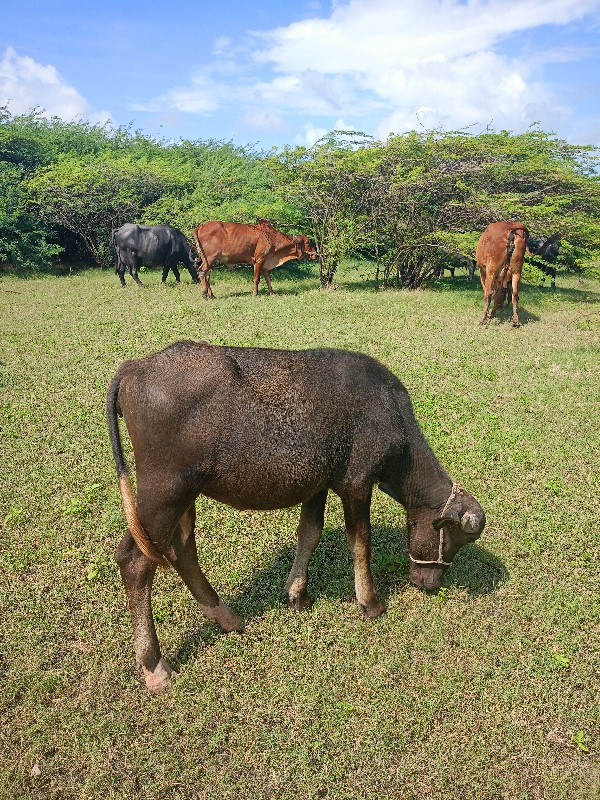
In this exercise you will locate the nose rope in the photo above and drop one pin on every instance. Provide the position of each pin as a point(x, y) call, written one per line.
point(455, 490)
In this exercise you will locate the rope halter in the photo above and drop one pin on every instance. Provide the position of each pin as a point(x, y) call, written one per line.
point(440, 560)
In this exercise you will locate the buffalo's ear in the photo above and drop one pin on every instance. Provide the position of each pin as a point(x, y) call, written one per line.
point(449, 516)
point(389, 491)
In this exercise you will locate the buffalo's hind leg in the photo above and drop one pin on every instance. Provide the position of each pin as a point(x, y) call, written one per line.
point(137, 572)
point(160, 502)
point(310, 527)
point(183, 555)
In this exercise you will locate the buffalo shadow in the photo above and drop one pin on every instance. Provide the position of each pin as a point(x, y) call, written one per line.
point(331, 574)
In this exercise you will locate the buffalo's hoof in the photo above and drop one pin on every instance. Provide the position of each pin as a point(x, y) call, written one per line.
point(298, 602)
point(224, 617)
point(161, 679)
point(205, 295)
point(516, 324)
point(372, 611)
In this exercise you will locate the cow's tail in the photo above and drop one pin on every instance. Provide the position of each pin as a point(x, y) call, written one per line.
point(523, 233)
point(140, 536)
point(200, 249)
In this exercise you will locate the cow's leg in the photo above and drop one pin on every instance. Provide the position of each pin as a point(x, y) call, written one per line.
point(176, 273)
point(499, 295)
point(516, 279)
point(204, 275)
point(183, 555)
point(267, 275)
point(310, 527)
point(486, 283)
point(358, 530)
point(258, 265)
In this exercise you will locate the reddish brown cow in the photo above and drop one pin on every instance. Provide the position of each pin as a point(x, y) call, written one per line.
point(500, 253)
point(259, 245)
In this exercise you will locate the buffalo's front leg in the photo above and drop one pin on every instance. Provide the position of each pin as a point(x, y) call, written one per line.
point(183, 555)
point(137, 572)
point(310, 527)
point(357, 512)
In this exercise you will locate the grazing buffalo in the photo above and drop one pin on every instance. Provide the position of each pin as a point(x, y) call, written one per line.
point(151, 245)
point(259, 245)
point(265, 429)
point(546, 249)
point(500, 253)
point(454, 259)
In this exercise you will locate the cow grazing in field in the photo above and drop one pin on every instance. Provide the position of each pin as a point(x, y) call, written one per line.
point(259, 245)
point(151, 245)
point(265, 429)
point(500, 253)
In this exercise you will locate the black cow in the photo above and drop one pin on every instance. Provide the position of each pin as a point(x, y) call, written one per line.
point(545, 249)
point(152, 245)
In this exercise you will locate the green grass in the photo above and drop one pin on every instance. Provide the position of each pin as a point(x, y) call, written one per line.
point(485, 691)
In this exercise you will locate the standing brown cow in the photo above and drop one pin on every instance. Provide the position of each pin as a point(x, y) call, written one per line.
point(500, 253)
point(259, 245)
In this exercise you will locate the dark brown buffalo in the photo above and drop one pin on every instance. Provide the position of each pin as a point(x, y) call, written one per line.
point(259, 245)
point(266, 429)
point(500, 254)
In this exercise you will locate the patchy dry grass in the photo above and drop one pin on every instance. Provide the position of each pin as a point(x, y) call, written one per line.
point(486, 691)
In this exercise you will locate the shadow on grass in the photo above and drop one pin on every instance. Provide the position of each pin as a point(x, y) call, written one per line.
point(331, 574)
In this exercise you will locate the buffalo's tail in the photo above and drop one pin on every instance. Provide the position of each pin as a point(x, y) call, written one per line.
point(140, 536)
point(116, 249)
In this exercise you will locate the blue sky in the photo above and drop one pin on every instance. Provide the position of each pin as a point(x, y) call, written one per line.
point(273, 73)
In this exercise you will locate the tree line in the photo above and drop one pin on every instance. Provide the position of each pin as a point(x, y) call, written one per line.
point(406, 204)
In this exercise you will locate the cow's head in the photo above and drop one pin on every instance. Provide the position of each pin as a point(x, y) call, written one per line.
point(435, 535)
point(305, 248)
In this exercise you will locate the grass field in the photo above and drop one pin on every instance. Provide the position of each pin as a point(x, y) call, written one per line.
point(488, 690)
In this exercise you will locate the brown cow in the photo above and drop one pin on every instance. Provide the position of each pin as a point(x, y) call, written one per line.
point(259, 245)
point(500, 253)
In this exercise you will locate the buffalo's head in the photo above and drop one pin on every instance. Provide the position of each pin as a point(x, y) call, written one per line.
point(435, 535)
point(545, 248)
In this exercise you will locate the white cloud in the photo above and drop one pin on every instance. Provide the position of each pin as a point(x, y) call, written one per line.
point(310, 135)
point(262, 119)
point(25, 84)
point(398, 64)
